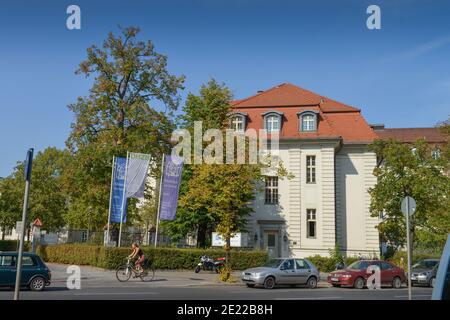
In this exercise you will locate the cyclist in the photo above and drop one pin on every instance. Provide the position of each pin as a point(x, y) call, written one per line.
point(137, 252)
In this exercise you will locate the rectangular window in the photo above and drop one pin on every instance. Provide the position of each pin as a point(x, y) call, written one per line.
point(28, 261)
point(271, 194)
point(8, 231)
point(310, 169)
point(7, 261)
point(272, 123)
point(84, 236)
point(311, 223)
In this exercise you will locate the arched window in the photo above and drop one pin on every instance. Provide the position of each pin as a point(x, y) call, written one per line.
point(272, 121)
point(308, 121)
point(238, 121)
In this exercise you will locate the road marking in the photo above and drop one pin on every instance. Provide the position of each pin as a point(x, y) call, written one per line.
point(113, 293)
point(316, 298)
point(415, 295)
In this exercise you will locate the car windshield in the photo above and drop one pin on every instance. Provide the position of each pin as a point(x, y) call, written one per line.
point(358, 265)
point(425, 264)
point(273, 263)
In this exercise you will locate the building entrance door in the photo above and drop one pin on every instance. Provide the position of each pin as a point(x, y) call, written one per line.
point(271, 243)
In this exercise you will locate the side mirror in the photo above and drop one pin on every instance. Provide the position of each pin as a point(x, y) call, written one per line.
point(282, 268)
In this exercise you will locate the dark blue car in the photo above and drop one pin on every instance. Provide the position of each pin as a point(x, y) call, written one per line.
point(35, 274)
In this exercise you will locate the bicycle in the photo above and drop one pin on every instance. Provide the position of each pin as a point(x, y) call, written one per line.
point(124, 272)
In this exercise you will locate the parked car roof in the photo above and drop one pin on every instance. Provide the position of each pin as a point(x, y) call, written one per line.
point(16, 253)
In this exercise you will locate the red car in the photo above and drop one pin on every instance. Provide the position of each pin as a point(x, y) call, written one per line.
point(355, 275)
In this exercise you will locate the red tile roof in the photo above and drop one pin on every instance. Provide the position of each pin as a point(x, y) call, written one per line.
point(410, 135)
point(287, 94)
point(336, 120)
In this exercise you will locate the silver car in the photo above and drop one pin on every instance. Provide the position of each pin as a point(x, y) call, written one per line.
point(424, 272)
point(283, 271)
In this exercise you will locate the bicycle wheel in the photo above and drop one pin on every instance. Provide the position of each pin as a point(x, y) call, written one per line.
point(123, 273)
point(148, 274)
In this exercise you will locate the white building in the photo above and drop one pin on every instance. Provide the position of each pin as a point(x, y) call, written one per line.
point(323, 143)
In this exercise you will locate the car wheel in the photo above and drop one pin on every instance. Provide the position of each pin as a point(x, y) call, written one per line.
point(396, 283)
point(432, 282)
point(359, 283)
point(250, 285)
point(269, 283)
point(312, 283)
point(37, 284)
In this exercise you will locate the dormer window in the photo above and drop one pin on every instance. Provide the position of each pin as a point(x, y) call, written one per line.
point(308, 121)
point(272, 121)
point(238, 121)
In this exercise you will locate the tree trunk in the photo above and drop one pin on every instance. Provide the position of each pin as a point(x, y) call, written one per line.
point(201, 235)
point(3, 232)
point(227, 249)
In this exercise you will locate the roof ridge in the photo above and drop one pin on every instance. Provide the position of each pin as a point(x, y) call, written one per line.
point(409, 128)
point(260, 93)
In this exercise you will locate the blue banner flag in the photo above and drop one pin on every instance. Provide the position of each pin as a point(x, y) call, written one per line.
point(118, 190)
point(171, 179)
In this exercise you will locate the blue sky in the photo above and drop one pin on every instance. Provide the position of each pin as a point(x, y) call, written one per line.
point(399, 75)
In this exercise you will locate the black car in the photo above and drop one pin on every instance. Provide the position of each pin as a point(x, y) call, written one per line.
point(35, 274)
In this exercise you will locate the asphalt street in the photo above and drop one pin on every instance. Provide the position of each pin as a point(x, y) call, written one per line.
point(185, 285)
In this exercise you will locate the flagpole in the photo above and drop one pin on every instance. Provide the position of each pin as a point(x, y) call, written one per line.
point(124, 198)
point(110, 200)
point(159, 200)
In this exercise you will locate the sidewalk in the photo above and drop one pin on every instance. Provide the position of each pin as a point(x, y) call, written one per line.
point(97, 277)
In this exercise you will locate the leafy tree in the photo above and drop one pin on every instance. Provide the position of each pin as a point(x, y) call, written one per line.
point(47, 199)
point(211, 107)
point(10, 209)
point(116, 117)
point(411, 170)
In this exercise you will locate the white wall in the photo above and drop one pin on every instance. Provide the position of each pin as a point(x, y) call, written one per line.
point(356, 232)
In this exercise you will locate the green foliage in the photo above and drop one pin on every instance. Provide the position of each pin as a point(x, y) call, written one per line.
point(328, 264)
point(162, 258)
point(400, 258)
point(11, 245)
point(47, 197)
point(225, 274)
point(419, 175)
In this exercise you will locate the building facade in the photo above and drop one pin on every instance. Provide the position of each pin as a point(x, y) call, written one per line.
point(324, 145)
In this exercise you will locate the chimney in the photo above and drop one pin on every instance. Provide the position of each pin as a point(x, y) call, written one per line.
point(377, 126)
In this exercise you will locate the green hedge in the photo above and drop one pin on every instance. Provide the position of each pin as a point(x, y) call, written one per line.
point(327, 264)
point(416, 257)
point(163, 258)
point(11, 245)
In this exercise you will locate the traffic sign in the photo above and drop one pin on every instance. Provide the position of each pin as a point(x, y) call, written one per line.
point(408, 205)
point(19, 226)
point(37, 223)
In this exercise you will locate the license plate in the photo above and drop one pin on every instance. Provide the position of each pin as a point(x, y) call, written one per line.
point(335, 279)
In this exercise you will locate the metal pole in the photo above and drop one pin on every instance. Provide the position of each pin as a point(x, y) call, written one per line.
point(408, 245)
point(24, 219)
point(110, 199)
point(159, 200)
point(124, 198)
